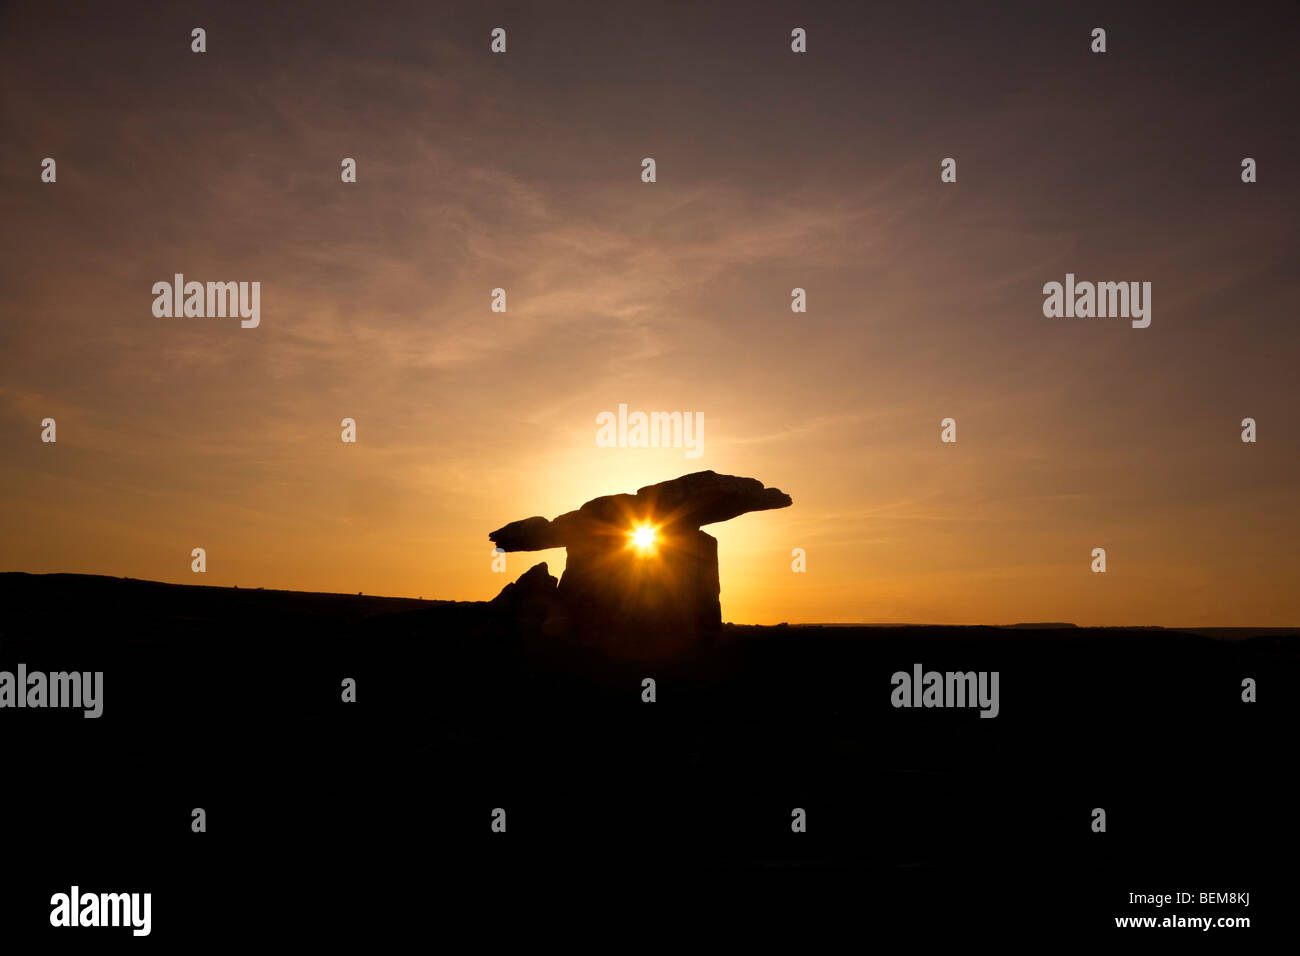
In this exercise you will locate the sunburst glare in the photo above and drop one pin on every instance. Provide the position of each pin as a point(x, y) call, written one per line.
point(644, 538)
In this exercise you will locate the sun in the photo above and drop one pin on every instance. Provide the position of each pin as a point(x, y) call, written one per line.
point(644, 538)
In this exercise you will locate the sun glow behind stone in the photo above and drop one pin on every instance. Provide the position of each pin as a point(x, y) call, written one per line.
point(644, 538)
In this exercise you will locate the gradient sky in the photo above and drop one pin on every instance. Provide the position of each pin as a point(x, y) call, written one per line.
point(775, 170)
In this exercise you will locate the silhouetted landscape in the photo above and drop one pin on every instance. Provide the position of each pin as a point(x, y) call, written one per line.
point(658, 473)
point(463, 707)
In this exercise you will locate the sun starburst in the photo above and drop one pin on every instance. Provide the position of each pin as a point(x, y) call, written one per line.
point(643, 538)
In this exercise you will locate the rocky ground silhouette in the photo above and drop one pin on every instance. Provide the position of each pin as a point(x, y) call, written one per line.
point(230, 700)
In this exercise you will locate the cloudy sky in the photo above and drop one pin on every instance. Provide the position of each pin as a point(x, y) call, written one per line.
point(775, 170)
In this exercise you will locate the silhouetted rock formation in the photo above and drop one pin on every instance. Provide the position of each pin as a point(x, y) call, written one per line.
point(528, 600)
point(614, 589)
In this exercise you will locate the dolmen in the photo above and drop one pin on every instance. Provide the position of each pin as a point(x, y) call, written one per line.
point(639, 569)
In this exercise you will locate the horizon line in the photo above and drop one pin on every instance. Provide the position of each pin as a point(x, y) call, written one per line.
point(1018, 625)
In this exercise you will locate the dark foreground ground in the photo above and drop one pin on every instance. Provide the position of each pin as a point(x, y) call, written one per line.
point(628, 819)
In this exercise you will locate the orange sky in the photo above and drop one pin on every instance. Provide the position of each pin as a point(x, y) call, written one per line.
point(522, 171)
